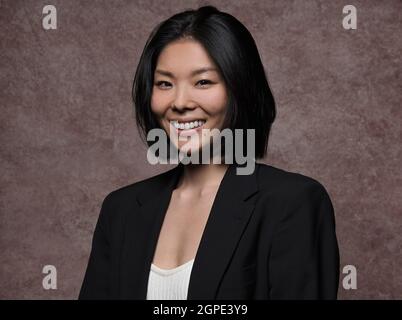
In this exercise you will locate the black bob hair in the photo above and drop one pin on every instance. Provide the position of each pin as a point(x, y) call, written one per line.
point(251, 104)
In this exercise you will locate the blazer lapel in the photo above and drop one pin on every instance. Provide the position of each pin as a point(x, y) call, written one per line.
point(229, 215)
point(142, 231)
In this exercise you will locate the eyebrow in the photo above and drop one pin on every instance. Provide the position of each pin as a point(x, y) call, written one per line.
point(193, 73)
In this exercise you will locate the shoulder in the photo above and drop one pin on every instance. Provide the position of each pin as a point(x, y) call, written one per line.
point(290, 189)
point(126, 193)
point(298, 204)
point(282, 181)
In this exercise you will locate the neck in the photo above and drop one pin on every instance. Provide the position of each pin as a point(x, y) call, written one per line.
point(198, 177)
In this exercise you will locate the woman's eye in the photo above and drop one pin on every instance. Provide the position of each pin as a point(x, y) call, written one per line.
point(204, 82)
point(163, 84)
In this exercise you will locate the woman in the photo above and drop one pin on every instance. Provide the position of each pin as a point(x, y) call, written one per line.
point(202, 231)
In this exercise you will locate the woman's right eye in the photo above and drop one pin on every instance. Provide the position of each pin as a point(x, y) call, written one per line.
point(163, 84)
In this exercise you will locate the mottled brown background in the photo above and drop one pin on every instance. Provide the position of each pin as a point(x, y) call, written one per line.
point(68, 135)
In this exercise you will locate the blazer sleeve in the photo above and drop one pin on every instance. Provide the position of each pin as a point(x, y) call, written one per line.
point(96, 280)
point(304, 258)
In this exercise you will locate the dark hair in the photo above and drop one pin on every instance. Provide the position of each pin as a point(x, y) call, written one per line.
point(250, 102)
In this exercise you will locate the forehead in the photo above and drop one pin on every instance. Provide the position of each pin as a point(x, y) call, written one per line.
point(184, 55)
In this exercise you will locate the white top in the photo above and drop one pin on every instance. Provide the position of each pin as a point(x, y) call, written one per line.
point(169, 284)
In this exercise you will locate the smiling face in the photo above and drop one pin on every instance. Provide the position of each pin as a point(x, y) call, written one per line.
point(189, 94)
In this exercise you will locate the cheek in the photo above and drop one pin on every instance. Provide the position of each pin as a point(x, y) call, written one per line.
point(214, 100)
point(159, 101)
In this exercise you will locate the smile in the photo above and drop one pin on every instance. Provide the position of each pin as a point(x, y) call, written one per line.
point(187, 125)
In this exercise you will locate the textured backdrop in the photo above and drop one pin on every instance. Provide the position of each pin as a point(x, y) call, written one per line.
point(68, 136)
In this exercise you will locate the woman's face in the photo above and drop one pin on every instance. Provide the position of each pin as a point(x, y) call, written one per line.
point(189, 93)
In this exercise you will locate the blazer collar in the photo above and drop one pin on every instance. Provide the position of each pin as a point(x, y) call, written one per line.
point(230, 212)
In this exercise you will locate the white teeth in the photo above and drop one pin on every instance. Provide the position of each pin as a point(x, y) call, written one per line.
point(187, 125)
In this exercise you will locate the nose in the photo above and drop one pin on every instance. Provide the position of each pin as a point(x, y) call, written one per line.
point(182, 99)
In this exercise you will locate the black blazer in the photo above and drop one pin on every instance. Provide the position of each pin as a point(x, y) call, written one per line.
point(269, 235)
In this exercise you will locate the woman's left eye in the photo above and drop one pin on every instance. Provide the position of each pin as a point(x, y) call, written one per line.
point(204, 82)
